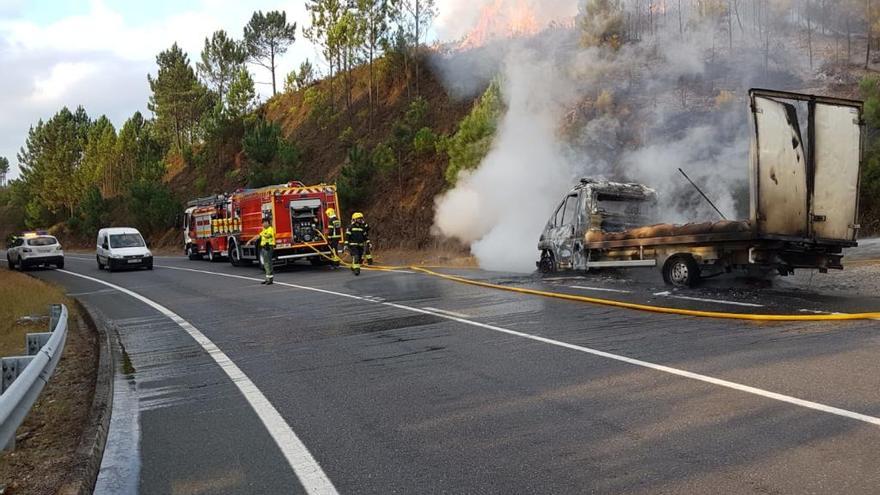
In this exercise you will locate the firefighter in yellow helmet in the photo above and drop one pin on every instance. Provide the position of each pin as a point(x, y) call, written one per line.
point(356, 240)
point(334, 236)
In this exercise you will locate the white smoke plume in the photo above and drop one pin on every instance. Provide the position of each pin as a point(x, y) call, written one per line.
point(626, 114)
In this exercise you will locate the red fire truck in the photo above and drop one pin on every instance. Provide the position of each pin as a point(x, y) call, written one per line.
point(226, 225)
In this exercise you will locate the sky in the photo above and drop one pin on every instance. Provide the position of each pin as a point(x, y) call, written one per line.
point(97, 53)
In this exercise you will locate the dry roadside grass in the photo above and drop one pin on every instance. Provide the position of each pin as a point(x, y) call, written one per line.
point(45, 451)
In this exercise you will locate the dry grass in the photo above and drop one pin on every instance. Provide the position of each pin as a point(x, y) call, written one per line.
point(45, 452)
point(22, 296)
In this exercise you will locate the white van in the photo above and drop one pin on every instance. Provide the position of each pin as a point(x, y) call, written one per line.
point(122, 247)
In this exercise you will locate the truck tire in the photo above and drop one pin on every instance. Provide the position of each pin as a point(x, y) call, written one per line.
point(234, 254)
point(193, 253)
point(681, 270)
point(211, 256)
point(547, 263)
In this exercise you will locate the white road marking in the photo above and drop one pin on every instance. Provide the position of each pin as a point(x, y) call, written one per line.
point(298, 456)
point(445, 312)
point(601, 289)
point(816, 406)
point(715, 301)
point(90, 293)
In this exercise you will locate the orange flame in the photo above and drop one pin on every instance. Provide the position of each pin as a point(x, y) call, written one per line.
point(498, 21)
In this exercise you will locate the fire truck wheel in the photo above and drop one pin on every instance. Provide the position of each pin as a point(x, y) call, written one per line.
point(234, 254)
point(193, 253)
point(211, 256)
point(681, 270)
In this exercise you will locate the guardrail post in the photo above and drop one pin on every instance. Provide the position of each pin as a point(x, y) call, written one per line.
point(12, 367)
point(54, 316)
point(35, 341)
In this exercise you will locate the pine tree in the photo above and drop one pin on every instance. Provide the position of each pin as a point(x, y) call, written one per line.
point(222, 57)
point(178, 98)
point(267, 37)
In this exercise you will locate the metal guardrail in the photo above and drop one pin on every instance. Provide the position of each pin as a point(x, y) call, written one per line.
point(23, 377)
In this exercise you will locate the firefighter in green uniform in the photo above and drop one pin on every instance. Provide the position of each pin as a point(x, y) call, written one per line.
point(335, 235)
point(356, 240)
point(267, 246)
point(368, 245)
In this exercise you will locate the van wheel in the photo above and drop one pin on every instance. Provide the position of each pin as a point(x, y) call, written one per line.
point(547, 263)
point(681, 270)
point(100, 265)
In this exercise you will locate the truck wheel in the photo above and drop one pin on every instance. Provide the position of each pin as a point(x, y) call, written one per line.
point(547, 263)
point(193, 253)
point(681, 270)
point(234, 254)
point(211, 256)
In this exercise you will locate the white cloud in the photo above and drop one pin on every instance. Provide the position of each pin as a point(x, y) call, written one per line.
point(61, 78)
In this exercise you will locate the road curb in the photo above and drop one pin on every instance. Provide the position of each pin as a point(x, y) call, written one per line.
point(90, 451)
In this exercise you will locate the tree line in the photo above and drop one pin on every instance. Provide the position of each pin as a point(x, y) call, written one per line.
point(82, 171)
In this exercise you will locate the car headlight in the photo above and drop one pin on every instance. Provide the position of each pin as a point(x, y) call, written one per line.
point(58, 248)
point(26, 250)
point(116, 256)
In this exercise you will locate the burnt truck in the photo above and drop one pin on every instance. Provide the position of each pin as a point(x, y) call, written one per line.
point(803, 204)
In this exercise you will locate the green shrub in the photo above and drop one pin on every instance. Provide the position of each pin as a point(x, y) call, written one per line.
point(200, 184)
point(92, 213)
point(473, 139)
point(346, 137)
point(424, 141)
point(383, 158)
point(152, 206)
point(260, 141)
point(356, 177)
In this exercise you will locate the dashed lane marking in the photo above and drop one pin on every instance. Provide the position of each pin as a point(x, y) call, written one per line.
point(816, 406)
point(600, 289)
point(295, 452)
point(714, 301)
point(446, 312)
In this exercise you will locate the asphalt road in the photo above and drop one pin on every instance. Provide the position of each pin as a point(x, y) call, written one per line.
point(406, 383)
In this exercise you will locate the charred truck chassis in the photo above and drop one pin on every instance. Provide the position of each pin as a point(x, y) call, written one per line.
point(803, 203)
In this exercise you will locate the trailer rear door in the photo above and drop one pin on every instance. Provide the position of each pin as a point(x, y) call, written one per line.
point(778, 172)
point(805, 188)
point(838, 141)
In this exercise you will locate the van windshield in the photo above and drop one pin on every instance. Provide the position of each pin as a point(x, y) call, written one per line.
point(126, 240)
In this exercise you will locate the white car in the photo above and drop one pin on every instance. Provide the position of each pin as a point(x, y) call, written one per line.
point(34, 249)
point(122, 247)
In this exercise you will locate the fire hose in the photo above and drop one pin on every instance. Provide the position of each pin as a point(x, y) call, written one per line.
point(623, 304)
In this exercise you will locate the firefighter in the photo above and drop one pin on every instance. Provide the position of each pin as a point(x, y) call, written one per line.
point(368, 245)
point(267, 246)
point(356, 240)
point(335, 235)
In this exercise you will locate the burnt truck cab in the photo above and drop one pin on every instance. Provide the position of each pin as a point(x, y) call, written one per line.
point(803, 205)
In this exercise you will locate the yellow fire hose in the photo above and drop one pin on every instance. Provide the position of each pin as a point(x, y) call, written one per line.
point(623, 304)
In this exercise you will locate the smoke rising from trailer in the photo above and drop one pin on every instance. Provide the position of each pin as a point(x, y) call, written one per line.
point(635, 112)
